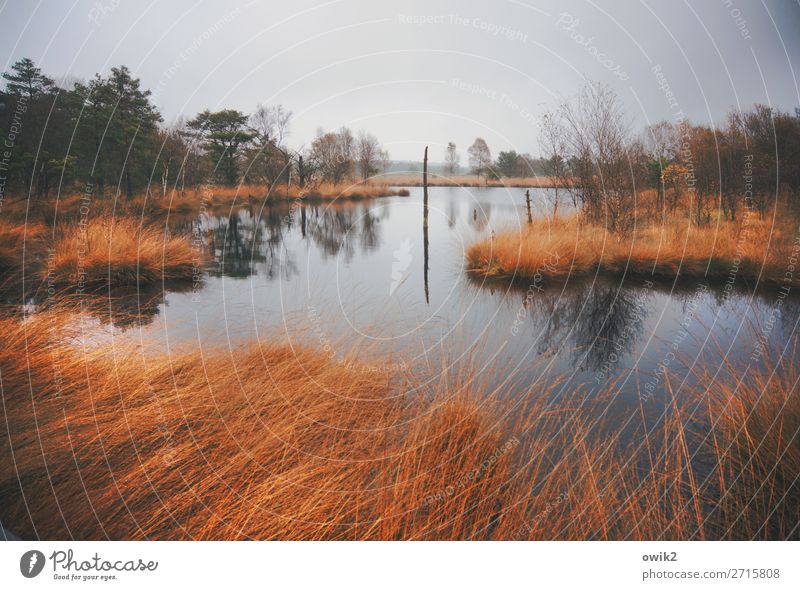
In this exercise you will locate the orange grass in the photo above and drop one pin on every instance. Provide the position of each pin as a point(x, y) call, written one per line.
point(752, 249)
point(193, 200)
point(415, 179)
point(271, 443)
point(118, 252)
point(756, 436)
point(13, 237)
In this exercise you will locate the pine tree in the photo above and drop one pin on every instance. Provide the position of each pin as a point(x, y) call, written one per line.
point(25, 79)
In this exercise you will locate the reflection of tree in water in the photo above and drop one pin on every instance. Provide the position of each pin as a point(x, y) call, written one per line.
point(331, 230)
point(453, 209)
point(337, 229)
point(610, 322)
point(244, 244)
point(599, 319)
point(130, 306)
point(370, 230)
point(479, 215)
point(250, 240)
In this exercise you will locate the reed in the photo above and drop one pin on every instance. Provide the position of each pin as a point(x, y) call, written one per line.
point(106, 251)
point(193, 200)
point(268, 442)
point(13, 239)
point(754, 249)
point(467, 180)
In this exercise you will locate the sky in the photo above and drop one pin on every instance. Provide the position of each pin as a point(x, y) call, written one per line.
point(419, 73)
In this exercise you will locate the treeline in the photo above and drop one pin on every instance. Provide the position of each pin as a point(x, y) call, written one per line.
point(750, 162)
point(509, 164)
point(106, 136)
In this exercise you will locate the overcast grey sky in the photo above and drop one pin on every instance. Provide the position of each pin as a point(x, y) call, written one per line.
point(422, 72)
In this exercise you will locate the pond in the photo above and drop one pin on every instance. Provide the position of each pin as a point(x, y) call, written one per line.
point(352, 275)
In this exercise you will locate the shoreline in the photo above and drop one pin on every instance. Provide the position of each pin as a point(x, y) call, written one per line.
point(675, 250)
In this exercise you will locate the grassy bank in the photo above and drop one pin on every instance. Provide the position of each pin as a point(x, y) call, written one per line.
point(752, 249)
point(96, 253)
point(193, 200)
point(415, 179)
point(118, 252)
point(271, 443)
point(13, 237)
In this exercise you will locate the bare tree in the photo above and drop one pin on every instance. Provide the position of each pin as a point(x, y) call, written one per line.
point(662, 144)
point(271, 123)
point(554, 152)
point(332, 155)
point(479, 157)
point(451, 158)
point(662, 141)
point(596, 135)
point(368, 154)
point(385, 160)
point(269, 160)
point(172, 154)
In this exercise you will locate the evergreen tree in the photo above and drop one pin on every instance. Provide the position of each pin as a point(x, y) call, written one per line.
point(25, 79)
point(223, 135)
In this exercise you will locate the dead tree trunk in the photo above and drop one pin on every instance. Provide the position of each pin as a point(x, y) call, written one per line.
point(425, 219)
point(528, 204)
point(301, 172)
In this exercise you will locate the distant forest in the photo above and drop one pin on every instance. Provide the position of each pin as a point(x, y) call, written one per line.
point(106, 136)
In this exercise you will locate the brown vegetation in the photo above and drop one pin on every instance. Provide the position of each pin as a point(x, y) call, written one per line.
point(13, 238)
point(415, 179)
point(272, 443)
point(118, 252)
point(192, 201)
point(752, 248)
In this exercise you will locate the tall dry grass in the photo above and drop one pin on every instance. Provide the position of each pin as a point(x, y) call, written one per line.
point(268, 442)
point(192, 200)
point(108, 251)
point(19, 251)
point(753, 249)
point(471, 180)
point(755, 433)
point(14, 237)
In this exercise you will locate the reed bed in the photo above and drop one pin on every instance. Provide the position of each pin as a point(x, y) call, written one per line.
point(754, 249)
point(471, 180)
point(116, 252)
point(755, 433)
point(268, 442)
point(13, 239)
point(193, 200)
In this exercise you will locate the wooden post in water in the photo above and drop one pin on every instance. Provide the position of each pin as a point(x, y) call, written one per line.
point(301, 172)
point(528, 203)
point(425, 218)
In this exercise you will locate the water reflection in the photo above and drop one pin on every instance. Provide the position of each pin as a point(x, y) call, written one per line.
point(592, 319)
point(250, 242)
point(342, 258)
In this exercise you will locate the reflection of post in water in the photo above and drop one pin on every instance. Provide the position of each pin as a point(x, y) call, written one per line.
point(425, 218)
point(301, 172)
point(303, 217)
point(234, 236)
point(528, 203)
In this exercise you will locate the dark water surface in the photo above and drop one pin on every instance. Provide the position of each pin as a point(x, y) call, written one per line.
point(339, 276)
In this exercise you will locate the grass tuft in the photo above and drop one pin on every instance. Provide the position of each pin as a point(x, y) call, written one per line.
point(753, 249)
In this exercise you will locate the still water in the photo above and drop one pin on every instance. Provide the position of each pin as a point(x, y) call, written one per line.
point(351, 276)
